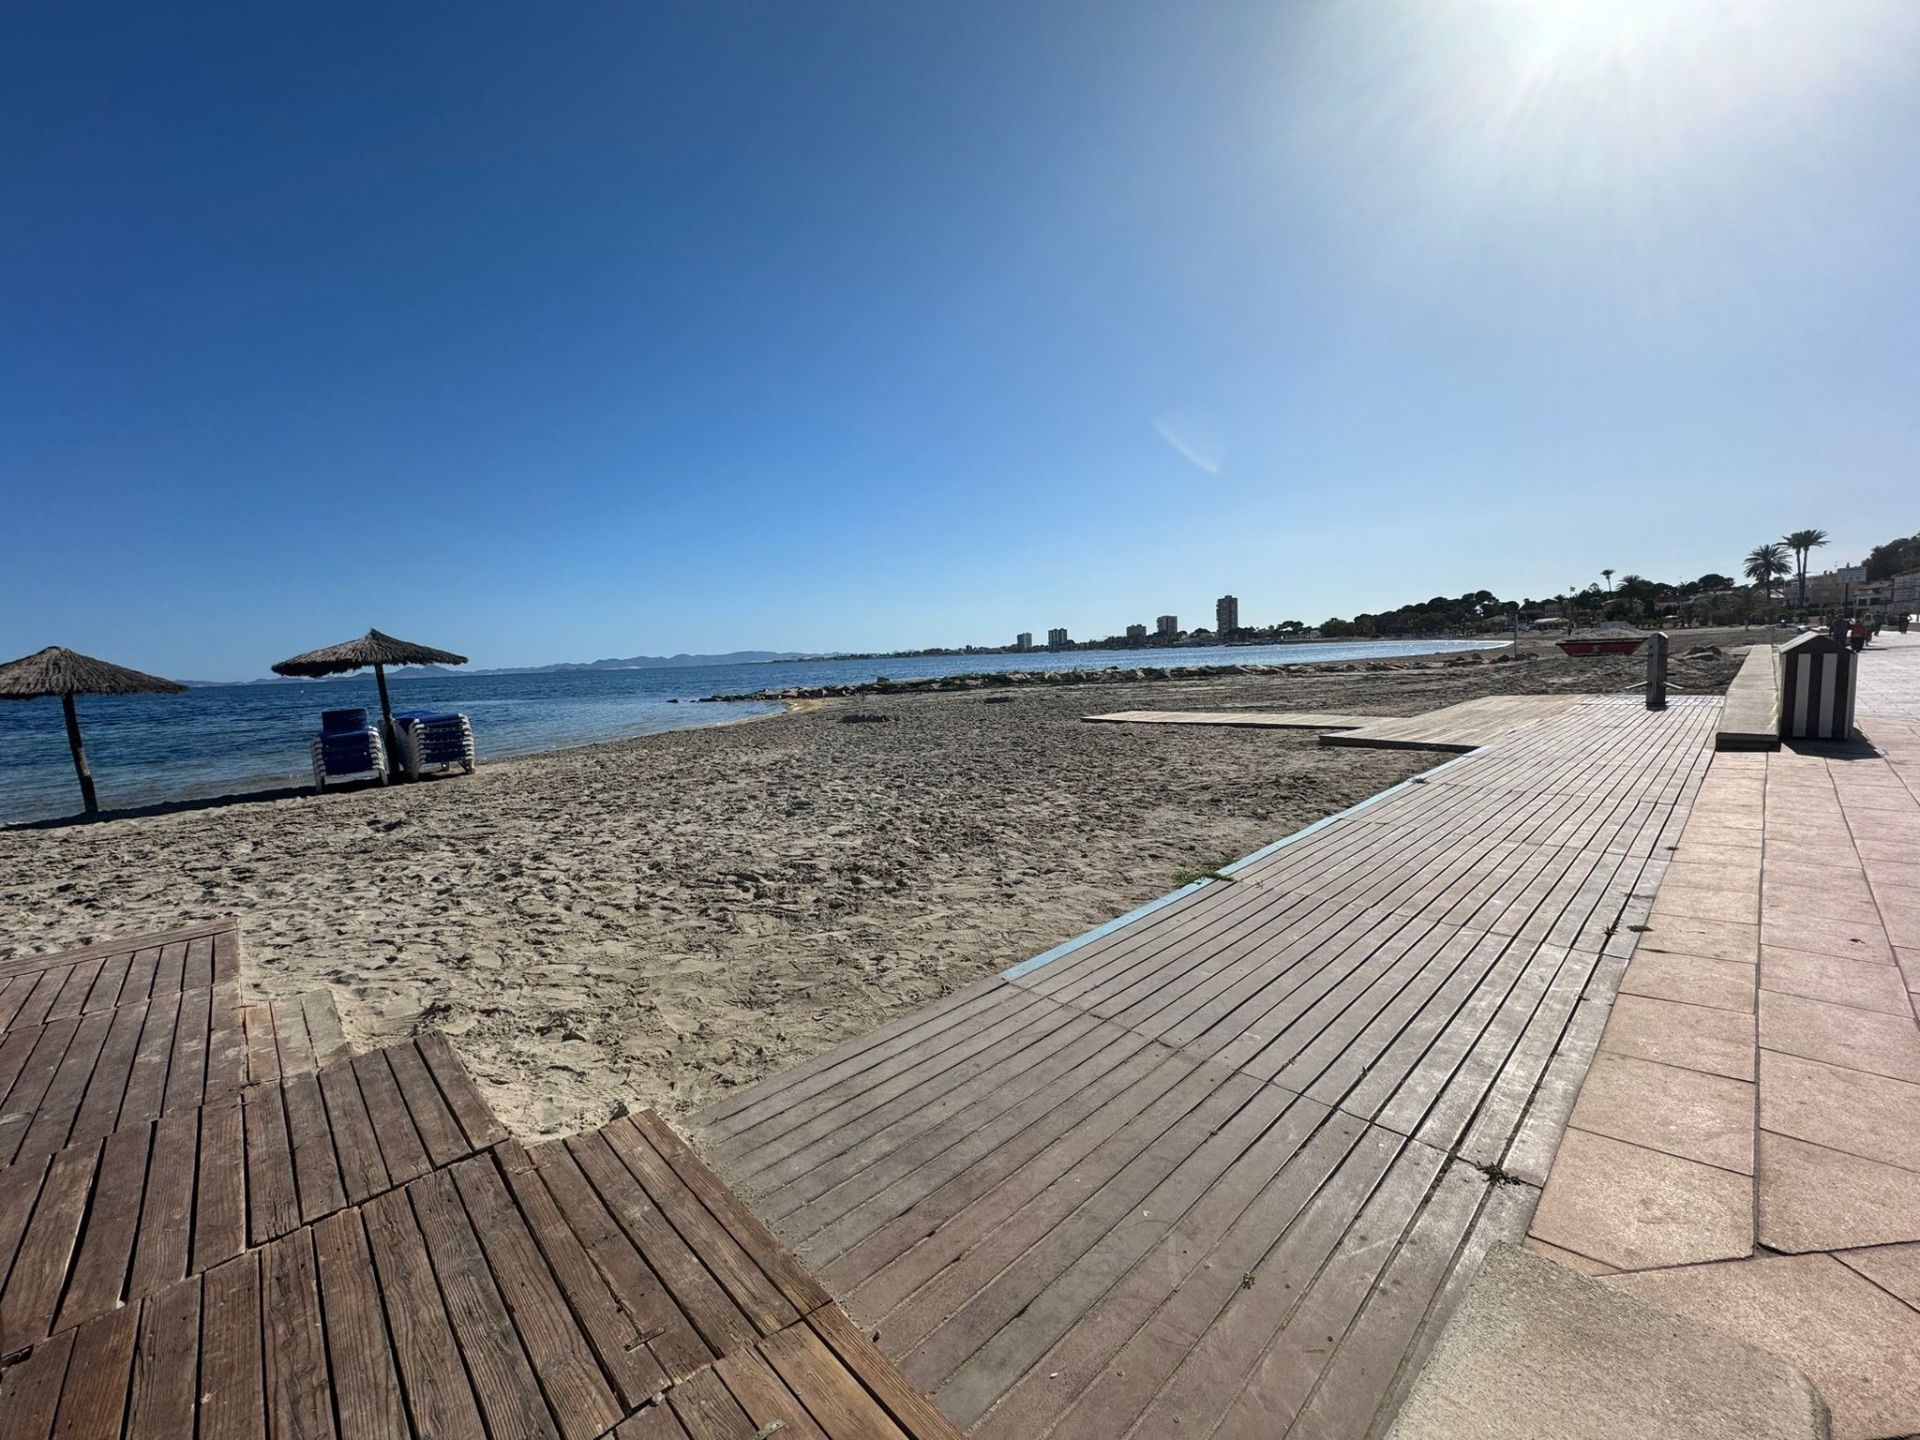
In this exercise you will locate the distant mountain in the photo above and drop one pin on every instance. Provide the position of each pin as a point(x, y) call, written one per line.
point(632, 662)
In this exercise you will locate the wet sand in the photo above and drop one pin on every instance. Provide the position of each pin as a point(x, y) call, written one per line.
point(655, 921)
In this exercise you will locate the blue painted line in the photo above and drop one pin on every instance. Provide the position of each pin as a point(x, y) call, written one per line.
point(1027, 967)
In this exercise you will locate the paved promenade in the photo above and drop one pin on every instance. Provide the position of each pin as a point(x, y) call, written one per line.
point(1746, 1147)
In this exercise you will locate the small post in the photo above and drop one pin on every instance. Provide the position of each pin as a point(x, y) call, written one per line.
point(1657, 670)
point(386, 721)
point(79, 756)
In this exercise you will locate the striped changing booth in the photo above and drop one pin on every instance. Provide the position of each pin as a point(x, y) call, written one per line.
point(1816, 689)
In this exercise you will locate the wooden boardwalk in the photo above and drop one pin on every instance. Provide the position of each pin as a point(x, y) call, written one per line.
point(1223, 1166)
point(216, 1222)
point(1455, 728)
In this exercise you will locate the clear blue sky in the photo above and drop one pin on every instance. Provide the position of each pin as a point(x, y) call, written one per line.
point(560, 331)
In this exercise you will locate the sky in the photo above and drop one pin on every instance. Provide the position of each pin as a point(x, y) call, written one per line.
point(558, 332)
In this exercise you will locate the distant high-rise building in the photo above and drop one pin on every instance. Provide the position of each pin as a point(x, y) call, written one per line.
point(1024, 640)
point(1136, 632)
point(1226, 615)
point(1057, 638)
point(1168, 625)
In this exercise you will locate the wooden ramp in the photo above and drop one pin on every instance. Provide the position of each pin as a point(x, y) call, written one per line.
point(1460, 728)
point(1223, 1167)
point(1245, 719)
point(1750, 719)
point(216, 1222)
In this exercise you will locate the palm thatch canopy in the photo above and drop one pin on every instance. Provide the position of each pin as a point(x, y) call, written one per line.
point(372, 648)
point(57, 670)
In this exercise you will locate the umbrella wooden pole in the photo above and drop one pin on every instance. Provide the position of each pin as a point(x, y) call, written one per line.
point(386, 720)
point(79, 756)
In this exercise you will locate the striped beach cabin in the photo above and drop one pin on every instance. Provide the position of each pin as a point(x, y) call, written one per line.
point(1816, 689)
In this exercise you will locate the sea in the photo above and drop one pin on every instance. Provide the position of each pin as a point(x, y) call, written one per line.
point(217, 740)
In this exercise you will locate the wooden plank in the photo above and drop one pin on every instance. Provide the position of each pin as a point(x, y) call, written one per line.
point(40, 1267)
point(316, 1169)
point(323, 1028)
point(193, 1032)
point(909, 1409)
point(770, 1407)
point(291, 1041)
point(802, 1291)
point(30, 1389)
point(160, 1253)
point(53, 1115)
point(106, 1248)
point(109, 982)
point(366, 1386)
point(569, 1375)
point(138, 983)
point(299, 1386)
point(653, 1310)
point(705, 1303)
point(77, 983)
point(220, 1209)
point(226, 1045)
point(232, 1380)
point(400, 1147)
point(147, 1080)
point(198, 971)
point(263, 1044)
point(439, 1398)
point(475, 1117)
point(750, 1287)
point(707, 1411)
point(19, 1192)
point(439, 1131)
point(100, 1111)
point(363, 1174)
point(622, 1348)
point(503, 1380)
point(170, 968)
point(273, 1199)
point(166, 1365)
point(656, 1422)
point(830, 1392)
point(93, 1400)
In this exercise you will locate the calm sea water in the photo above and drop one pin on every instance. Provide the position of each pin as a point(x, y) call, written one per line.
point(220, 739)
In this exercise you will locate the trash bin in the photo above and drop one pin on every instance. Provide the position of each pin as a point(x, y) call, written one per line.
point(1816, 689)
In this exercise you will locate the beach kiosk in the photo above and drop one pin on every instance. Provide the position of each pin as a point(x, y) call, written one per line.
point(1816, 689)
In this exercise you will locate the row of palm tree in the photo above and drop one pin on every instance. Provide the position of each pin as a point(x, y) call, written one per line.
point(1767, 565)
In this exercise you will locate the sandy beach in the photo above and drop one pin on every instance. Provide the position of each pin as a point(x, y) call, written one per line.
point(655, 921)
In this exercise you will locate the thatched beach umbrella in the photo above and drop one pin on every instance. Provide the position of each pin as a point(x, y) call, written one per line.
point(62, 672)
point(376, 650)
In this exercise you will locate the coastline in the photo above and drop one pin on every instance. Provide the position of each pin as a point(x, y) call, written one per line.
point(654, 921)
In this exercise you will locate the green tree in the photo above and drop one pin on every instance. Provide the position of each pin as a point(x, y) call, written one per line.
point(1896, 557)
point(1766, 566)
point(1803, 543)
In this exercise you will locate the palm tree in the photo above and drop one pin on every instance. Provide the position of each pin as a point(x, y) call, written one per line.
point(1609, 575)
point(1766, 565)
point(1803, 543)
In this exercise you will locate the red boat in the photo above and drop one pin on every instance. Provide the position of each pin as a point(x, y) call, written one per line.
point(1602, 645)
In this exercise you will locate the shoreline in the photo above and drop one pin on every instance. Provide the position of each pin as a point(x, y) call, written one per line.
point(659, 920)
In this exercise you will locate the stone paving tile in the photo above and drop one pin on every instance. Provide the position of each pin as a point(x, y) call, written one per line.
point(1840, 1109)
point(1688, 1113)
point(1635, 1208)
point(1894, 1268)
point(1904, 872)
point(1873, 845)
point(1840, 982)
point(1719, 834)
point(1702, 903)
point(1856, 938)
point(1847, 899)
point(1694, 1037)
point(1909, 962)
point(1797, 850)
point(1578, 1263)
point(1732, 862)
point(1900, 912)
point(1693, 979)
point(1715, 939)
point(1705, 875)
point(1851, 1338)
point(1813, 1198)
point(1838, 1034)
